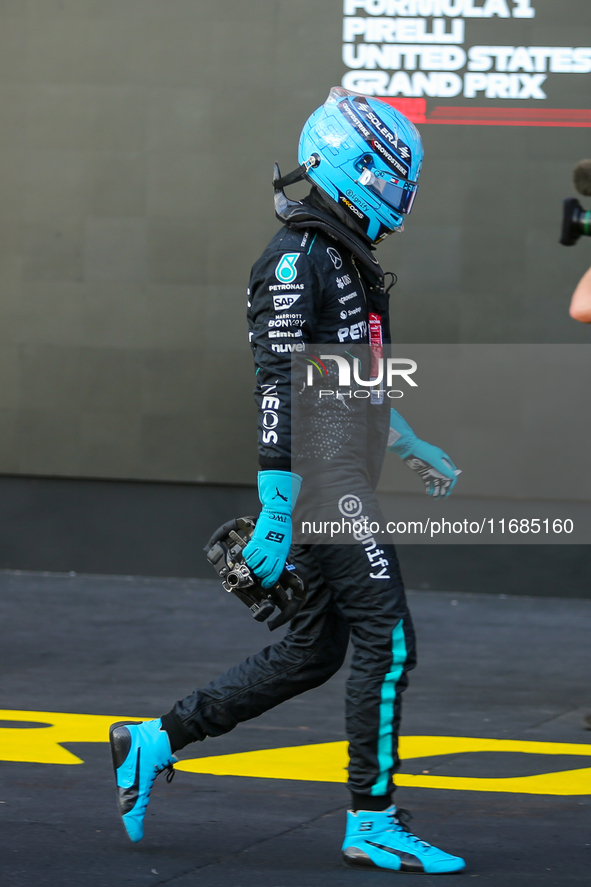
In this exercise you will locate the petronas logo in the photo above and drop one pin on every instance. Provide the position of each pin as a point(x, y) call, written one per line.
point(286, 270)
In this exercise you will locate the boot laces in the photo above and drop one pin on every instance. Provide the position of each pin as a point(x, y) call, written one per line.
point(156, 772)
point(400, 819)
point(168, 766)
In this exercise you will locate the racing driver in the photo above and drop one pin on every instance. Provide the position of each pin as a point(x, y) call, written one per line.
point(318, 282)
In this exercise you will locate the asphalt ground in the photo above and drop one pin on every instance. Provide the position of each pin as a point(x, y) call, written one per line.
point(492, 667)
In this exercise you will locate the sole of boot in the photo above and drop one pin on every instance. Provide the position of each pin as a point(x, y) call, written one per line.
point(118, 756)
point(367, 864)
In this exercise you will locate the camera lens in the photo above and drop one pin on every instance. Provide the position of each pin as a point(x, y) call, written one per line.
point(576, 222)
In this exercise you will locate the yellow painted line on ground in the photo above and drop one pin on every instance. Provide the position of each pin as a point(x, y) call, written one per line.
point(322, 762)
point(327, 762)
point(42, 745)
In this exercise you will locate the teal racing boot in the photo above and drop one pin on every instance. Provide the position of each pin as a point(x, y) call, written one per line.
point(140, 750)
point(381, 840)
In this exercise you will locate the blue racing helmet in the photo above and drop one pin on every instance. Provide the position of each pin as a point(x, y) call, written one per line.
point(366, 157)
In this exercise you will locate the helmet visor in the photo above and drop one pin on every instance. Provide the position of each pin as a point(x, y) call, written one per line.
point(397, 193)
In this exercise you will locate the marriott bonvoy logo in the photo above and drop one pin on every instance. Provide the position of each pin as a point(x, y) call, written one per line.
point(384, 373)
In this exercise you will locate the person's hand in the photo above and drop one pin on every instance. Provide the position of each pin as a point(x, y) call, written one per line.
point(580, 306)
point(434, 467)
point(431, 463)
point(268, 548)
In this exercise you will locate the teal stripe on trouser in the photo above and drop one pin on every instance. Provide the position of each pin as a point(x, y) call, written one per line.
point(388, 697)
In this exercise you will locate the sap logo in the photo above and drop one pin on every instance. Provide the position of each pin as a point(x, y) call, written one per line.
point(281, 303)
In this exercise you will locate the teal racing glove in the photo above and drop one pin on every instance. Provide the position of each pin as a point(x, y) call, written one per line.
point(268, 549)
point(432, 464)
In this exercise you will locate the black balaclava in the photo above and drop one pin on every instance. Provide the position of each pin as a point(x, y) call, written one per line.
point(322, 202)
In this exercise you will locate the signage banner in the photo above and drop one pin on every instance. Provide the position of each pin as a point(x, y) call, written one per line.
point(472, 62)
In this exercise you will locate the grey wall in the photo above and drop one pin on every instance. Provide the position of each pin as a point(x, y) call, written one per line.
point(136, 144)
point(515, 417)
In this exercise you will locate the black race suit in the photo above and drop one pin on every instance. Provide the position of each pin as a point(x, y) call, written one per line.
point(309, 287)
